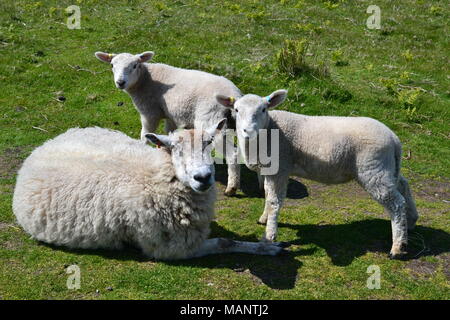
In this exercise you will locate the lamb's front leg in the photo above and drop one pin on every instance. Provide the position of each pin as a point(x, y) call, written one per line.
point(275, 189)
point(222, 245)
point(149, 124)
point(260, 182)
point(232, 156)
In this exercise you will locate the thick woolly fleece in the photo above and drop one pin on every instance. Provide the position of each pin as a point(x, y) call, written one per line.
point(98, 188)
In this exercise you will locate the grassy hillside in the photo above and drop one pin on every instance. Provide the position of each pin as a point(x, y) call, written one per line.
point(399, 74)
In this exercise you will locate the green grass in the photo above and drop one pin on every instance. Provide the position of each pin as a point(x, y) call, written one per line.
point(337, 232)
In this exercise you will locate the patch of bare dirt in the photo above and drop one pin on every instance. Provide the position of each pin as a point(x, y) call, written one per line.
point(4, 225)
point(422, 269)
point(431, 190)
point(444, 259)
point(10, 162)
point(11, 245)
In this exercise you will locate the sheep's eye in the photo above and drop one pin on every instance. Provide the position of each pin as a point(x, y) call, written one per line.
point(264, 110)
point(134, 67)
point(236, 110)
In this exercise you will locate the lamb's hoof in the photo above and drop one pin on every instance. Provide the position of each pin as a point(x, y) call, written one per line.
point(274, 249)
point(268, 240)
point(230, 192)
point(398, 253)
point(262, 222)
point(397, 256)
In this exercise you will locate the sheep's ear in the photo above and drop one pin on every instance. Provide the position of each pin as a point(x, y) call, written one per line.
point(159, 140)
point(225, 101)
point(217, 128)
point(105, 57)
point(146, 56)
point(276, 98)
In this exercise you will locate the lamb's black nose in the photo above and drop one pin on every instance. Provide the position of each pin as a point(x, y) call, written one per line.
point(203, 178)
point(120, 83)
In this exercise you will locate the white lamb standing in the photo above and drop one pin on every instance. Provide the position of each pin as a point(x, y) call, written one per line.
point(97, 188)
point(185, 98)
point(330, 150)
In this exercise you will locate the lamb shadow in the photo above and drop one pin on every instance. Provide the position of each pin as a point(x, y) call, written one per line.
point(345, 242)
point(250, 187)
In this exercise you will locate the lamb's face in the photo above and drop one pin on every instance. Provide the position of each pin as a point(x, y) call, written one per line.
point(126, 67)
point(252, 111)
point(251, 115)
point(191, 155)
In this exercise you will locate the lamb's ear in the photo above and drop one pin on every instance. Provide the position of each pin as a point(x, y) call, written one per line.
point(146, 56)
point(159, 140)
point(225, 100)
point(276, 97)
point(103, 56)
point(217, 128)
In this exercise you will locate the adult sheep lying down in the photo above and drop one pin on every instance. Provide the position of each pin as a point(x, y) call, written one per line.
point(98, 188)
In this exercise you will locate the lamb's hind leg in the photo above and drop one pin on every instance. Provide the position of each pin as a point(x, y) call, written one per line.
point(411, 211)
point(222, 245)
point(383, 188)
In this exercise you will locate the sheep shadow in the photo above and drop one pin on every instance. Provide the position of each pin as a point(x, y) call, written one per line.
point(342, 243)
point(345, 242)
point(261, 269)
point(277, 272)
point(250, 187)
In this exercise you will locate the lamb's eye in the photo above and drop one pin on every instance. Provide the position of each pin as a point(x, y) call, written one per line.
point(236, 110)
point(264, 110)
point(134, 67)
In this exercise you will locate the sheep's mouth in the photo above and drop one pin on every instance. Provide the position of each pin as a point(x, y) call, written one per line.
point(201, 188)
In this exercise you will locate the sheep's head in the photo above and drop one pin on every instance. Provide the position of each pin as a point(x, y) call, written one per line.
point(191, 154)
point(252, 111)
point(126, 67)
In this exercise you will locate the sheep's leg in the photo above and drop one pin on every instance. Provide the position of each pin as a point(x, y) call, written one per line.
point(149, 124)
point(383, 188)
point(234, 169)
point(411, 211)
point(396, 206)
point(275, 188)
point(260, 182)
point(169, 126)
point(222, 245)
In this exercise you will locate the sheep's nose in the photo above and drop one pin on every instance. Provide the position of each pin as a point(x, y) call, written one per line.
point(204, 179)
point(245, 130)
point(120, 83)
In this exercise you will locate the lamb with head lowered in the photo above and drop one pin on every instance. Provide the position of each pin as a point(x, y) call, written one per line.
point(96, 188)
point(185, 98)
point(326, 149)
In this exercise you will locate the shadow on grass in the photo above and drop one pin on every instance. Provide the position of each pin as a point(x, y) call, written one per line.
point(343, 243)
point(249, 184)
point(277, 272)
